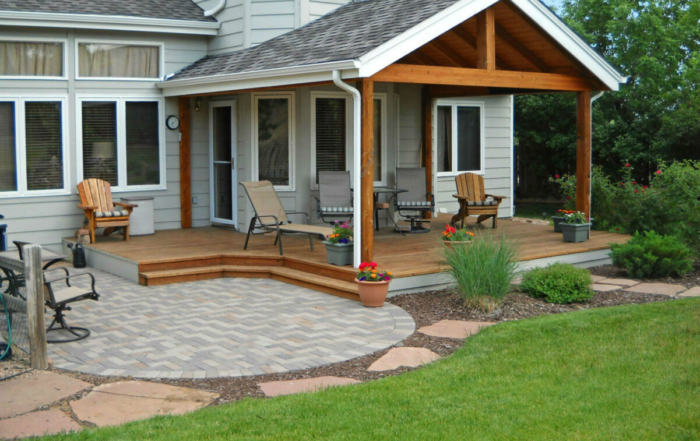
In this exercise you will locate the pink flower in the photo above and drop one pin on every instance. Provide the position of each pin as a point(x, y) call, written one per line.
point(658, 172)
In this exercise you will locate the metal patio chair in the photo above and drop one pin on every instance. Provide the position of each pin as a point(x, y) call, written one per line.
point(58, 300)
point(334, 201)
point(415, 202)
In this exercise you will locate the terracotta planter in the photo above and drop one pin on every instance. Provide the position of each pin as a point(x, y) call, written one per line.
point(452, 243)
point(372, 294)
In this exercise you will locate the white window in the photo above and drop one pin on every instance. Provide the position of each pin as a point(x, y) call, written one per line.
point(32, 59)
point(460, 137)
point(273, 139)
point(119, 60)
point(32, 147)
point(121, 141)
point(331, 142)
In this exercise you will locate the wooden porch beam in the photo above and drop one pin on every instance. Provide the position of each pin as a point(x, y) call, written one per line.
point(486, 39)
point(427, 104)
point(457, 91)
point(463, 35)
point(532, 59)
point(583, 152)
point(366, 88)
point(459, 76)
point(448, 53)
point(185, 165)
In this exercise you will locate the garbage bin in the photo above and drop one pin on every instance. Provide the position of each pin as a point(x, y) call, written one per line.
point(141, 222)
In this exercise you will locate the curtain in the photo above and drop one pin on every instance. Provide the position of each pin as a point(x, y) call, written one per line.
point(44, 145)
point(118, 61)
point(142, 143)
point(31, 59)
point(330, 135)
point(8, 149)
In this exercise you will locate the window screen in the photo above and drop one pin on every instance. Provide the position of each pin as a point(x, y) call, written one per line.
point(378, 140)
point(142, 144)
point(100, 141)
point(469, 134)
point(330, 134)
point(8, 148)
point(444, 139)
point(273, 140)
point(31, 59)
point(44, 145)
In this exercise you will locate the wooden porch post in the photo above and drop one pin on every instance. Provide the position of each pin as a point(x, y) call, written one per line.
point(428, 141)
point(583, 152)
point(366, 88)
point(486, 39)
point(185, 165)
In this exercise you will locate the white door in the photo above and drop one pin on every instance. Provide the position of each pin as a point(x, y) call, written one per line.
point(222, 151)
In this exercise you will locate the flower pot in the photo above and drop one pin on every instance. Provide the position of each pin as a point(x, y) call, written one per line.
point(456, 243)
point(372, 294)
point(340, 254)
point(558, 220)
point(575, 232)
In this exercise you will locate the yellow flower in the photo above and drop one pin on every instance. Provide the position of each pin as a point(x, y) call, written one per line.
point(374, 271)
point(374, 276)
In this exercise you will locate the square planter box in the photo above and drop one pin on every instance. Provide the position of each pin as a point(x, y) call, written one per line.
point(340, 254)
point(558, 220)
point(575, 232)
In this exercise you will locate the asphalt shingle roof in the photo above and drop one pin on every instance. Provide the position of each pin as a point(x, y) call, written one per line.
point(344, 34)
point(167, 9)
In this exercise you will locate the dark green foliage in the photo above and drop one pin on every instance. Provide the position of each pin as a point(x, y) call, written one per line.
point(558, 283)
point(650, 255)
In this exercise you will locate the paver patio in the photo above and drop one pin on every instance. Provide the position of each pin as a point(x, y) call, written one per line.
point(221, 328)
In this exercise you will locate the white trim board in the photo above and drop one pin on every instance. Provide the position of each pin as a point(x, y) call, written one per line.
point(108, 22)
point(233, 104)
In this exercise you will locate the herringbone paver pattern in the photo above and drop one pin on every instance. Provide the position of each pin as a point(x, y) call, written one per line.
point(221, 328)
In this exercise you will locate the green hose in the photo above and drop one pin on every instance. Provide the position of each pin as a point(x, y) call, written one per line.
point(9, 328)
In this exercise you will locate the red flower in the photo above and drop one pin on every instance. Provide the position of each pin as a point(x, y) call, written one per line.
point(373, 264)
point(633, 182)
point(622, 183)
point(568, 197)
point(556, 176)
point(658, 172)
point(635, 191)
point(627, 165)
point(617, 229)
point(645, 187)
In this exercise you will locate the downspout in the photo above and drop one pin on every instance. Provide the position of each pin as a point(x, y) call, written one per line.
point(216, 9)
point(590, 190)
point(357, 159)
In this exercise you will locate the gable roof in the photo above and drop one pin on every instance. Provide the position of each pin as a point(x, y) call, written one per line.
point(164, 9)
point(363, 37)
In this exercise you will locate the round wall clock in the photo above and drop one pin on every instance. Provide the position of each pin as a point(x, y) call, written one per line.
point(173, 122)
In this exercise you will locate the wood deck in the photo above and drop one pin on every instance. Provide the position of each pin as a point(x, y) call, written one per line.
point(199, 253)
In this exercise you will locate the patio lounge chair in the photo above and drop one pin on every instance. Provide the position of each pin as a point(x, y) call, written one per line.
point(415, 202)
point(96, 202)
point(334, 201)
point(473, 199)
point(271, 217)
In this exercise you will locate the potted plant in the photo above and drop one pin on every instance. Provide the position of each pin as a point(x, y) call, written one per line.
point(372, 284)
point(452, 236)
point(559, 219)
point(576, 227)
point(339, 245)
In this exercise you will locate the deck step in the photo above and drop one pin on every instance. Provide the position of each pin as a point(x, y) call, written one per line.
point(293, 276)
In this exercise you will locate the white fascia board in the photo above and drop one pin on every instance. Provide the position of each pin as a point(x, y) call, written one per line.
point(313, 73)
point(108, 22)
point(427, 30)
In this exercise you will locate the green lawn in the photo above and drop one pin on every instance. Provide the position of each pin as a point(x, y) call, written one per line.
point(628, 372)
point(534, 211)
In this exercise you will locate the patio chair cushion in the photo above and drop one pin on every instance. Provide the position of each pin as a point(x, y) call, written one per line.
point(417, 204)
point(481, 203)
point(115, 213)
point(337, 209)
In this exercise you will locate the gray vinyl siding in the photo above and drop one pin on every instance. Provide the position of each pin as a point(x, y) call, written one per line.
point(498, 126)
point(47, 219)
point(318, 8)
point(231, 35)
point(269, 19)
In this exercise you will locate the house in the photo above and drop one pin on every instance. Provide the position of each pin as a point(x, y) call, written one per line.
point(182, 99)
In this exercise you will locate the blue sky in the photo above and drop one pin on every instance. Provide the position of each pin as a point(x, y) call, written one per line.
point(556, 3)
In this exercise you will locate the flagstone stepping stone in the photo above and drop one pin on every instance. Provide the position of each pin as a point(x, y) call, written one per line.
point(692, 292)
point(22, 395)
point(277, 388)
point(604, 288)
point(454, 328)
point(597, 278)
point(409, 357)
point(118, 403)
point(666, 289)
point(45, 422)
point(621, 282)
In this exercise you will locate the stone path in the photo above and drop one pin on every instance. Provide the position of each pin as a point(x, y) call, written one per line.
point(454, 328)
point(277, 388)
point(221, 328)
point(601, 284)
point(409, 357)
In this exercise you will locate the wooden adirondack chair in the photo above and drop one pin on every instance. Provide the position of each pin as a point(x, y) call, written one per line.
point(96, 201)
point(472, 198)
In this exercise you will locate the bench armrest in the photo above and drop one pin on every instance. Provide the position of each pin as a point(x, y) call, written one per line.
point(499, 198)
point(300, 212)
point(125, 205)
point(87, 207)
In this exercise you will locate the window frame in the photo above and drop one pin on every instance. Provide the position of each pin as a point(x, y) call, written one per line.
point(455, 103)
point(21, 146)
point(121, 139)
point(382, 97)
point(64, 61)
point(290, 97)
point(161, 58)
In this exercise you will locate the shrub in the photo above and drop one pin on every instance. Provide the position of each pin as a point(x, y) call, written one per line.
point(483, 270)
point(651, 255)
point(558, 283)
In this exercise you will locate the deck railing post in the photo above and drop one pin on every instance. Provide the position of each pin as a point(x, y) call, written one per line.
point(34, 280)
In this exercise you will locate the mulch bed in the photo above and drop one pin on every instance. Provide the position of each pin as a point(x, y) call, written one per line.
point(426, 309)
point(689, 280)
